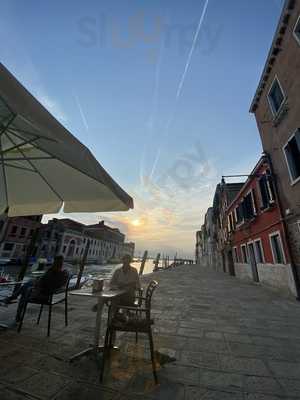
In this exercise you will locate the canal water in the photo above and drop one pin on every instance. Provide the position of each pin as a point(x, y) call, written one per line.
point(96, 271)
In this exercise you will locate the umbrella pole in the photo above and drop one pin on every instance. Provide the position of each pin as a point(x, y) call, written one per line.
point(82, 264)
point(29, 252)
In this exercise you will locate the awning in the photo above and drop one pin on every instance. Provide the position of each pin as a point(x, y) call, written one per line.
point(43, 166)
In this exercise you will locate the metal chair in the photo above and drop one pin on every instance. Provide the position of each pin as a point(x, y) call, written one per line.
point(139, 321)
point(57, 296)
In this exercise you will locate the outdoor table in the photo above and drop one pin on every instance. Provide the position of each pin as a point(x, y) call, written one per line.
point(101, 297)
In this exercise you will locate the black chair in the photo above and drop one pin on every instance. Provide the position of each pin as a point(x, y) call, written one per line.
point(57, 296)
point(135, 319)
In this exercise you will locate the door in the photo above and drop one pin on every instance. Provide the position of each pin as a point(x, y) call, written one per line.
point(223, 262)
point(230, 263)
point(253, 262)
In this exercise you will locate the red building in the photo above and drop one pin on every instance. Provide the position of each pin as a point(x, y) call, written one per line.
point(16, 234)
point(256, 233)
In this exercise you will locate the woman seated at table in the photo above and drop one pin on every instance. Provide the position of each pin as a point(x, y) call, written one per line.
point(126, 277)
point(41, 288)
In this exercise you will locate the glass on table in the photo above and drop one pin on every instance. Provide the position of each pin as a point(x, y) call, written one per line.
point(106, 284)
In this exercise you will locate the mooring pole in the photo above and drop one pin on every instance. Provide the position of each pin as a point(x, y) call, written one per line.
point(82, 264)
point(143, 262)
point(156, 262)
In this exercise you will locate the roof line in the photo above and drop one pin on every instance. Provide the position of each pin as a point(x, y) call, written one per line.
point(273, 52)
point(252, 173)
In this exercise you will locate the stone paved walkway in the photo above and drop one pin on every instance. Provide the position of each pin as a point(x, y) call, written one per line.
point(231, 340)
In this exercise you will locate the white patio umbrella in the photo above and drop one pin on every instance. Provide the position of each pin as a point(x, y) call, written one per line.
point(43, 166)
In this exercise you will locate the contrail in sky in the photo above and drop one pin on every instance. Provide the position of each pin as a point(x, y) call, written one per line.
point(187, 65)
point(150, 122)
point(181, 83)
point(84, 120)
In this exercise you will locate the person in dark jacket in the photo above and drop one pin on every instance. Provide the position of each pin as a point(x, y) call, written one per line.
point(41, 288)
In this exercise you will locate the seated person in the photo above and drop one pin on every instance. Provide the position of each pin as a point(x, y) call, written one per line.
point(41, 288)
point(127, 278)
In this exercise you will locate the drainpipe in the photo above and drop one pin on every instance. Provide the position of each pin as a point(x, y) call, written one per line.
point(285, 229)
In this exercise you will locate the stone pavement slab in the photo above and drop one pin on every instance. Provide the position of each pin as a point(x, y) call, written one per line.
point(215, 338)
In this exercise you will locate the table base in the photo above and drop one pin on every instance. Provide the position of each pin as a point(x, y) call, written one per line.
point(90, 350)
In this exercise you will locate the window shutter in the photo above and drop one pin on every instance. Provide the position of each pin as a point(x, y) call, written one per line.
point(253, 201)
point(263, 192)
point(289, 156)
point(297, 137)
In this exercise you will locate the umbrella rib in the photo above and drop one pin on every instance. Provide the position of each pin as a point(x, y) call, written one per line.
point(6, 105)
point(18, 145)
point(28, 158)
point(36, 170)
point(2, 158)
point(18, 167)
point(4, 173)
point(13, 129)
point(6, 126)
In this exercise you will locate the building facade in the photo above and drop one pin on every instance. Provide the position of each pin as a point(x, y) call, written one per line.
point(15, 236)
point(224, 194)
point(198, 248)
point(206, 245)
point(69, 238)
point(258, 246)
point(276, 107)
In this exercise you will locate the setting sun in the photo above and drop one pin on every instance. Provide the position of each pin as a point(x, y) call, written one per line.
point(136, 222)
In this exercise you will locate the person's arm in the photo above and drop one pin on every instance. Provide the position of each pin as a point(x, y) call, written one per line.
point(114, 284)
point(137, 281)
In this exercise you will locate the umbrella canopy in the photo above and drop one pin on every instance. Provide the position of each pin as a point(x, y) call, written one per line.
point(43, 166)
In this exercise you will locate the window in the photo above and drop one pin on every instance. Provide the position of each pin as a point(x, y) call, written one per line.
point(14, 230)
point(23, 232)
point(244, 254)
point(259, 255)
point(248, 206)
point(297, 30)
point(8, 246)
point(277, 249)
point(64, 249)
point(292, 155)
point(239, 213)
point(235, 255)
point(266, 189)
point(230, 223)
point(276, 97)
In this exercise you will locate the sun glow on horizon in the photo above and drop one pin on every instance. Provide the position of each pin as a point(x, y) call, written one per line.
point(136, 222)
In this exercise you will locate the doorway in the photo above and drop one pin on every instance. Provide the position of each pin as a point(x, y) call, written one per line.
point(223, 262)
point(230, 263)
point(253, 262)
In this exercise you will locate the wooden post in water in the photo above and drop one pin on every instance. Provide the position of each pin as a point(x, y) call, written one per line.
point(174, 262)
point(82, 264)
point(156, 262)
point(143, 262)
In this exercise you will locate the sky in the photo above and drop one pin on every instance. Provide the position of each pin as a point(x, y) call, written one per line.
point(159, 91)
